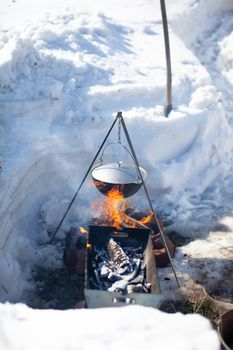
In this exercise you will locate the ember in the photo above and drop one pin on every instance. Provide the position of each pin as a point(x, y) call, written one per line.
point(119, 270)
point(120, 267)
point(88, 245)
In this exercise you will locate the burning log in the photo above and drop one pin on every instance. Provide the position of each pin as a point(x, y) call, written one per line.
point(141, 220)
point(131, 222)
point(160, 253)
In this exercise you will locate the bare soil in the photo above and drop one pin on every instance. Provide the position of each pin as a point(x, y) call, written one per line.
point(60, 289)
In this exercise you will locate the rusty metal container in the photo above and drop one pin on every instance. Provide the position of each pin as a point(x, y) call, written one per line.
point(225, 330)
point(98, 235)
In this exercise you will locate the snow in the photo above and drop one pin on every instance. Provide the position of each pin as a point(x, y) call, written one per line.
point(84, 329)
point(65, 72)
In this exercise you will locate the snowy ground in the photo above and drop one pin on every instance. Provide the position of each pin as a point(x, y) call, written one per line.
point(86, 329)
point(65, 71)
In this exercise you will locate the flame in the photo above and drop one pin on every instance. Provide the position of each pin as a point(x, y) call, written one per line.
point(130, 222)
point(113, 205)
point(111, 211)
point(82, 230)
point(146, 219)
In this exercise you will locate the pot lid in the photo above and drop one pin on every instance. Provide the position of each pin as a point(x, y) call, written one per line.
point(118, 173)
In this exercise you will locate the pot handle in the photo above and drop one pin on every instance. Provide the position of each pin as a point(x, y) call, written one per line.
point(114, 143)
point(119, 143)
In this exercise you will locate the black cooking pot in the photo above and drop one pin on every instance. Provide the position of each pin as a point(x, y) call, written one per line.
point(125, 178)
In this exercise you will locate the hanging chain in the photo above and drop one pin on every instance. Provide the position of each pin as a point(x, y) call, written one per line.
point(119, 131)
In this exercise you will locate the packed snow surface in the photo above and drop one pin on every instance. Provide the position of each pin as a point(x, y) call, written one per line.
point(106, 328)
point(65, 72)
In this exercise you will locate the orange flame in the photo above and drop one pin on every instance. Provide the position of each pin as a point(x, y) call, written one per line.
point(111, 210)
point(146, 219)
point(113, 204)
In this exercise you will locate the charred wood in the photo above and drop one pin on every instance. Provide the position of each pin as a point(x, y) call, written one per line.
point(117, 255)
point(116, 268)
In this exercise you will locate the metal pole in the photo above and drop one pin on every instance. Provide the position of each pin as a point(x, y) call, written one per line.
point(147, 194)
point(168, 58)
point(82, 182)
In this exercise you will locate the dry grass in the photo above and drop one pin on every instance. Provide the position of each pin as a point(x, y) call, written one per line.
point(202, 307)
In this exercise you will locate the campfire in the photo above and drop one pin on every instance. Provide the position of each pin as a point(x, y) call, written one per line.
point(118, 262)
point(114, 210)
point(120, 259)
point(120, 256)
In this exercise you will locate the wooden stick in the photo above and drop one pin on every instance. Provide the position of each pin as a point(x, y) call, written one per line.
point(132, 222)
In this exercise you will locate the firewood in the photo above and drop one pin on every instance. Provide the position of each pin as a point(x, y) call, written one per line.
point(124, 205)
point(129, 221)
point(159, 251)
point(152, 224)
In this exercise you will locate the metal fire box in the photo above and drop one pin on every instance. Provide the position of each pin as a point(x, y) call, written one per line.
point(127, 237)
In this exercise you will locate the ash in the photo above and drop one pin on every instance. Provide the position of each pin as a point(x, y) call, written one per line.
point(119, 269)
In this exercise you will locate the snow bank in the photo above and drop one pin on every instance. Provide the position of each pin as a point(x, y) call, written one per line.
point(111, 328)
point(30, 212)
point(226, 56)
point(199, 17)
